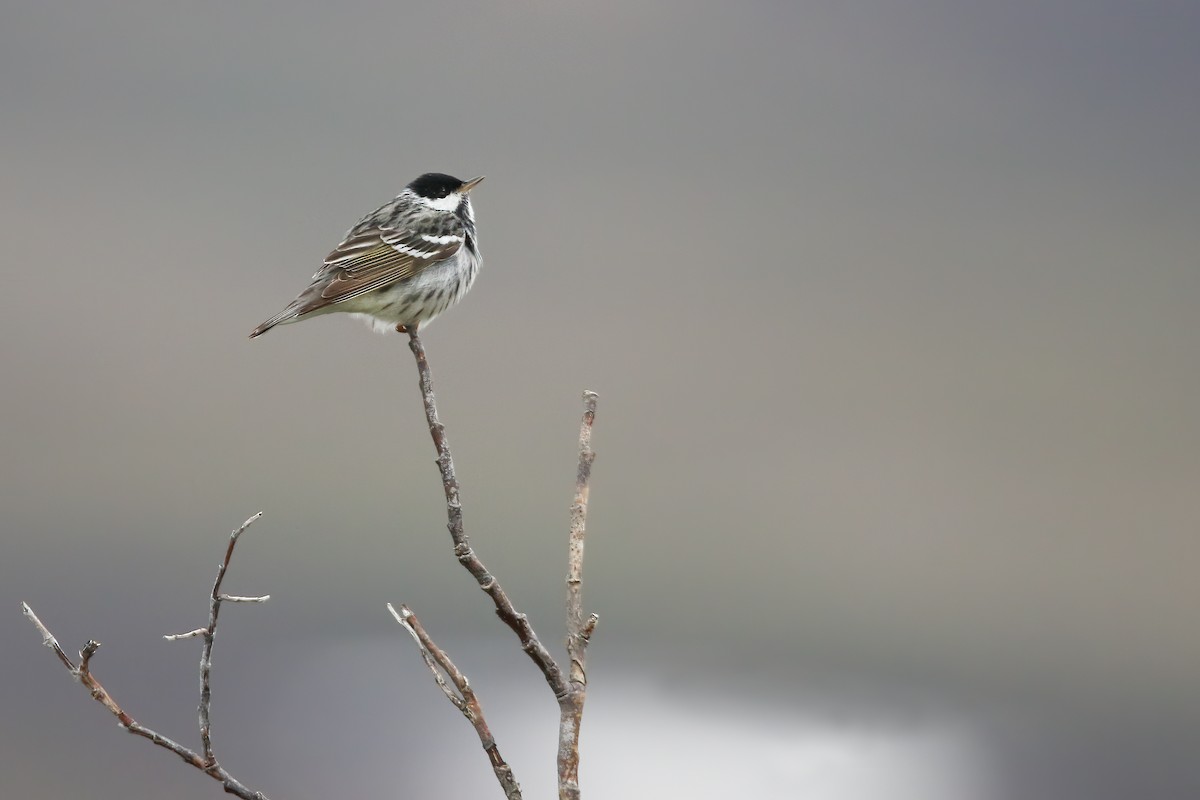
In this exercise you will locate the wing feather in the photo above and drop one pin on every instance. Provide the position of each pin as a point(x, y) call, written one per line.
point(375, 257)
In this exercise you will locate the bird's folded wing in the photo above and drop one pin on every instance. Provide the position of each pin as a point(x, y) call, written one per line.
point(375, 257)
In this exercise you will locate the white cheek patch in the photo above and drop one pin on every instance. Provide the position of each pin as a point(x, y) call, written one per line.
point(448, 203)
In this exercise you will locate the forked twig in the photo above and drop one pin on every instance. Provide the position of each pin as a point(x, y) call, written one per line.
point(206, 762)
point(569, 690)
point(209, 634)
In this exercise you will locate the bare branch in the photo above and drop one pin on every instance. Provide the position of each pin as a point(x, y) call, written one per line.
point(427, 656)
point(465, 700)
point(577, 641)
point(206, 763)
point(570, 691)
point(209, 634)
point(579, 630)
point(462, 546)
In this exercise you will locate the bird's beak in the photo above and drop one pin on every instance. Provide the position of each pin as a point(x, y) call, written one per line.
point(471, 184)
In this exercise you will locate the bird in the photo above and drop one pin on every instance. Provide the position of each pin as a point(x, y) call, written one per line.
point(401, 265)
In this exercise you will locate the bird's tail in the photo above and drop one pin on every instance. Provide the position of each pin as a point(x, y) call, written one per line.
point(287, 315)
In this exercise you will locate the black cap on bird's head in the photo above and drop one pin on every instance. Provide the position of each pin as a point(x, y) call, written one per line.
point(436, 185)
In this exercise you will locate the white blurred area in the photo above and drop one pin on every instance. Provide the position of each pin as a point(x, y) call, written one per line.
point(643, 736)
point(682, 747)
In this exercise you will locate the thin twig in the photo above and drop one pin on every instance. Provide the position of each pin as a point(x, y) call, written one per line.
point(174, 637)
point(465, 700)
point(579, 630)
point(206, 763)
point(462, 546)
point(234, 598)
point(209, 634)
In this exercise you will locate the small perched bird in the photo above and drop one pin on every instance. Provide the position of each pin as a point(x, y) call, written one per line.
point(402, 264)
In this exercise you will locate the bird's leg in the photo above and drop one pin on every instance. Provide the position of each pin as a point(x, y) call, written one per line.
point(402, 328)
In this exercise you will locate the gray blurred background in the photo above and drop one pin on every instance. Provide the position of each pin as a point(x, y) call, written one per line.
point(891, 307)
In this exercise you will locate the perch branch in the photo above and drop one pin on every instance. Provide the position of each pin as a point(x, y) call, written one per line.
point(462, 546)
point(206, 763)
point(569, 690)
point(465, 700)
